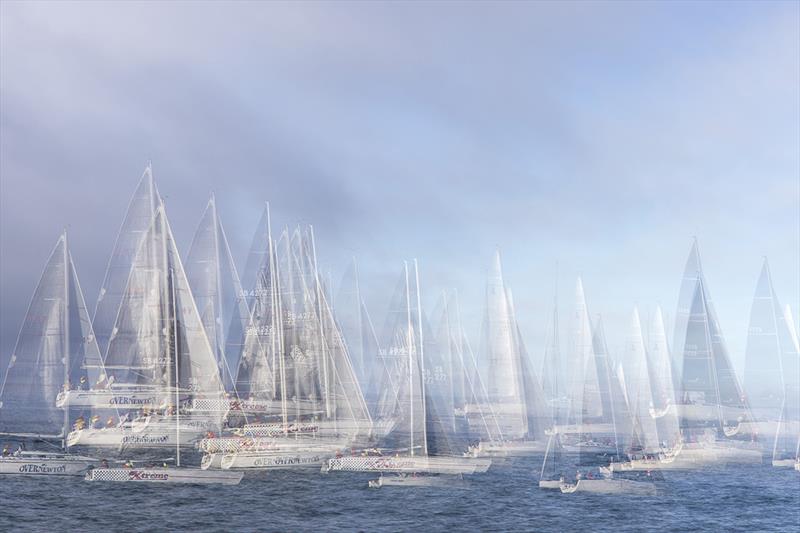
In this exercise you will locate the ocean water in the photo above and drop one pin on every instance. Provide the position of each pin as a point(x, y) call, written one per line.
point(747, 498)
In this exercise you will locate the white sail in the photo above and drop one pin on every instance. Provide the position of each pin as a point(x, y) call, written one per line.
point(469, 396)
point(402, 399)
point(771, 354)
point(581, 355)
point(356, 325)
point(137, 220)
point(663, 384)
point(146, 340)
point(515, 398)
point(503, 367)
point(294, 351)
point(258, 254)
point(56, 349)
point(639, 388)
point(215, 285)
point(709, 389)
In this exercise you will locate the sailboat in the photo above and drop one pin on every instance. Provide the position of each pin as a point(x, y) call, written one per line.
point(597, 408)
point(158, 339)
point(464, 386)
point(418, 442)
point(715, 418)
point(594, 472)
point(663, 448)
point(295, 358)
point(216, 288)
point(515, 397)
point(54, 343)
point(771, 372)
point(107, 392)
point(157, 327)
point(357, 328)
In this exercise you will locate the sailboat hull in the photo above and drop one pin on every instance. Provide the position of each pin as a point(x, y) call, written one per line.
point(689, 457)
point(45, 465)
point(123, 437)
point(609, 486)
point(416, 481)
point(408, 464)
point(520, 448)
point(109, 399)
point(273, 460)
point(164, 475)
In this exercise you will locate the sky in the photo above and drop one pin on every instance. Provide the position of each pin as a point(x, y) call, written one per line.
point(584, 138)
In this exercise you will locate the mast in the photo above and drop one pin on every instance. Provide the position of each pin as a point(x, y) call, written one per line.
point(321, 325)
point(410, 360)
point(360, 321)
point(421, 361)
point(175, 356)
point(66, 341)
point(218, 322)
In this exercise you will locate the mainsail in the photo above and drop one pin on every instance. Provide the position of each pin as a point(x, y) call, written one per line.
point(771, 355)
point(258, 254)
point(294, 353)
point(709, 390)
point(55, 348)
point(413, 398)
point(158, 338)
point(663, 384)
point(137, 220)
point(356, 326)
point(639, 387)
point(215, 285)
point(514, 393)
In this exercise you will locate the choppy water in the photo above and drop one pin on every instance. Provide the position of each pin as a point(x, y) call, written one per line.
point(504, 499)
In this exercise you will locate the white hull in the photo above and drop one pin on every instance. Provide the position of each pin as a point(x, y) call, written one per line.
point(265, 444)
point(150, 436)
point(690, 457)
point(587, 448)
point(111, 399)
point(414, 481)
point(517, 448)
point(783, 463)
point(408, 464)
point(609, 486)
point(323, 428)
point(550, 484)
point(273, 460)
point(164, 475)
point(43, 464)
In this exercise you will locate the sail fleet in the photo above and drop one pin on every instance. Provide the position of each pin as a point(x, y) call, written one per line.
point(187, 373)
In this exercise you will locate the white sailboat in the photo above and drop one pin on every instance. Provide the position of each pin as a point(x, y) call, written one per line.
point(418, 442)
point(108, 392)
point(295, 357)
point(216, 289)
point(515, 397)
point(715, 417)
point(146, 343)
point(770, 359)
point(54, 345)
point(596, 418)
point(159, 320)
point(465, 388)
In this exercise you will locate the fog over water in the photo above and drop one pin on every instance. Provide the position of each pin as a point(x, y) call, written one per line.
point(599, 137)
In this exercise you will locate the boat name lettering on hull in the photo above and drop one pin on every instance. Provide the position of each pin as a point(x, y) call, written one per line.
point(42, 469)
point(129, 400)
point(144, 439)
point(139, 475)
